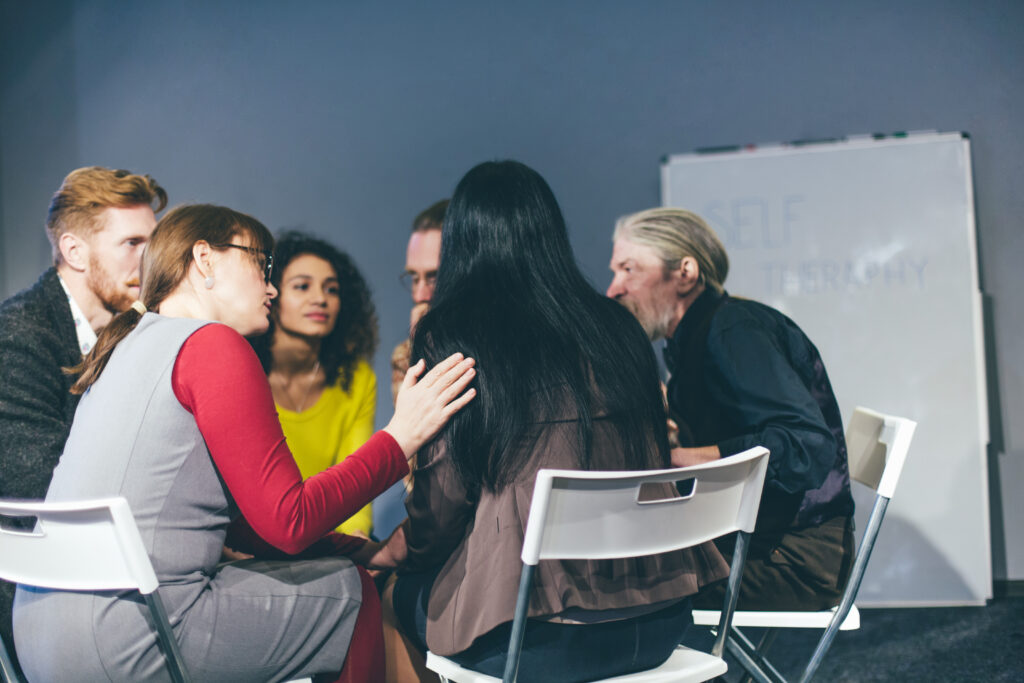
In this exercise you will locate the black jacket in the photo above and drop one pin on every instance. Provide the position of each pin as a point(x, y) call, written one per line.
point(744, 375)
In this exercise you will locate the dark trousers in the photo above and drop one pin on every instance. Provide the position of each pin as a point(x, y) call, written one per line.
point(800, 570)
point(554, 651)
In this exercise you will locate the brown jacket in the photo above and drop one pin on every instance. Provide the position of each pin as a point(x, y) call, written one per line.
point(478, 542)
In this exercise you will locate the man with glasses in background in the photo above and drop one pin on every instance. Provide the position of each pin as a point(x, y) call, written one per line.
point(422, 257)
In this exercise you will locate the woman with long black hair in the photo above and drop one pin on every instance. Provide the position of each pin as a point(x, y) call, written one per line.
point(567, 379)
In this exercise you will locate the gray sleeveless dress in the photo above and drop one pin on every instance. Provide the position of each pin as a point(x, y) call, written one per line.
point(245, 621)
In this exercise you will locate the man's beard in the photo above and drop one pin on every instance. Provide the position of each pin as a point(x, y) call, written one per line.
point(114, 298)
point(655, 325)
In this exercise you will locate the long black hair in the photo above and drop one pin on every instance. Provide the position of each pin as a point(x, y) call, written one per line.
point(354, 337)
point(509, 294)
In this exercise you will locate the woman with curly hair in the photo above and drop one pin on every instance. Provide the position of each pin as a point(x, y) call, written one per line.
point(316, 355)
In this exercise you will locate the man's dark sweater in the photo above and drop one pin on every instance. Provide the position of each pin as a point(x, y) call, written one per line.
point(37, 339)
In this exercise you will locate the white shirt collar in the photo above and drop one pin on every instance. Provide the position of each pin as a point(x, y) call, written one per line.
point(83, 330)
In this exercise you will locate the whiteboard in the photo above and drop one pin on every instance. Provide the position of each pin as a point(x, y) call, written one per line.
point(869, 245)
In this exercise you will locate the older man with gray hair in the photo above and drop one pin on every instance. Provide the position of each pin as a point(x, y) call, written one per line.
point(743, 374)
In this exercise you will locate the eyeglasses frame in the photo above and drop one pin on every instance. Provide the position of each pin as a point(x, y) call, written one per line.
point(268, 266)
point(409, 281)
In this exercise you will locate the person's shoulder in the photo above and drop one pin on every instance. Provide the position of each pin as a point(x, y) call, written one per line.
point(38, 317)
point(741, 313)
point(745, 323)
point(207, 332)
point(363, 380)
point(363, 371)
point(752, 312)
point(209, 344)
point(31, 305)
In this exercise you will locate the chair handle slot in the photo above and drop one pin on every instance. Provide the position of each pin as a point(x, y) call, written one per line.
point(685, 489)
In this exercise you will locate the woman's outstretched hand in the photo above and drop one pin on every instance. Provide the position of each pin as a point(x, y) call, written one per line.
point(424, 406)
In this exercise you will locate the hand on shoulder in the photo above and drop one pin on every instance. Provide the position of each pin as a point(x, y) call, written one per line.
point(423, 407)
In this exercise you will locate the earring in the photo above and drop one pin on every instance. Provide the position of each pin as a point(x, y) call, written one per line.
point(208, 282)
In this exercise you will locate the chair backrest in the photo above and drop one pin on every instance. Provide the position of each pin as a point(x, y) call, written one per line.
point(877, 447)
point(600, 515)
point(86, 545)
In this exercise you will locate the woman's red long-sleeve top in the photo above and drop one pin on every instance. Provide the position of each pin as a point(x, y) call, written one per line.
point(218, 378)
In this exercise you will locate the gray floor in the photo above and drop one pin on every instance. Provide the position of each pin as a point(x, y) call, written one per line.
point(923, 644)
point(918, 644)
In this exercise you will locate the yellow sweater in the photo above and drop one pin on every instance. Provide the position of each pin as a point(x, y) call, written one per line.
point(332, 428)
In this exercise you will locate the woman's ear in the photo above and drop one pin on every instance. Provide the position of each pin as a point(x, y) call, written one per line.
point(202, 254)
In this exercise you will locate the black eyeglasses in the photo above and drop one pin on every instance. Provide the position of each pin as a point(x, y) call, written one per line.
point(268, 263)
point(412, 280)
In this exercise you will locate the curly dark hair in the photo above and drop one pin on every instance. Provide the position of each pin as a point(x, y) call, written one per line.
point(355, 335)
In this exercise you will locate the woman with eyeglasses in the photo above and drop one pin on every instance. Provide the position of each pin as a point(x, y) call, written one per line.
point(323, 332)
point(177, 417)
point(567, 380)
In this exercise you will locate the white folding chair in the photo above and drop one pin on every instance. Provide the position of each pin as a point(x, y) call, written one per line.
point(108, 554)
point(877, 447)
point(599, 515)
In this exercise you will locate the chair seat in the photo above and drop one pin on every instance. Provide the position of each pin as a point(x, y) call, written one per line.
point(759, 619)
point(683, 666)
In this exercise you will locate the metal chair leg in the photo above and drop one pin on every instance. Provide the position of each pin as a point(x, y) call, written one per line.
point(7, 665)
point(175, 662)
point(515, 646)
point(756, 666)
point(763, 645)
point(853, 585)
point(767, 640)
point(732, 592)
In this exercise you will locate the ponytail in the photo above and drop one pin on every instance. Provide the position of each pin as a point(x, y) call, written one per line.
point(110, 336)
